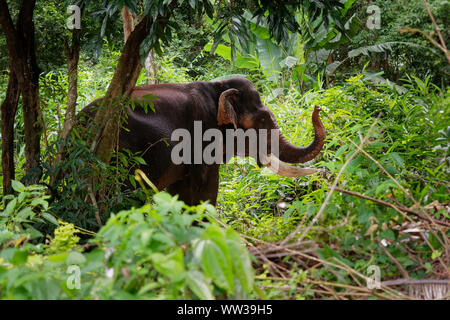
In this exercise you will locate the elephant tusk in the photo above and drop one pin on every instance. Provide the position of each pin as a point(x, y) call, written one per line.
point(283, 169)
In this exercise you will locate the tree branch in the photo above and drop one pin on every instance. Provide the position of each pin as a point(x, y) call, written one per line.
point(8, 113)
point(387, 204)
point(127, 19)
point(8, 26)
point(436, 27)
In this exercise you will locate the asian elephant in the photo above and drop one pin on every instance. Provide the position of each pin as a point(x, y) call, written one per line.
point(222, 105)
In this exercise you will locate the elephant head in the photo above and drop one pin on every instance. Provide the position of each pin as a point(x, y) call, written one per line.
point(240, 107)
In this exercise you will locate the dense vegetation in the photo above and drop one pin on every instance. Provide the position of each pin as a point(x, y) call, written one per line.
point(378, 209)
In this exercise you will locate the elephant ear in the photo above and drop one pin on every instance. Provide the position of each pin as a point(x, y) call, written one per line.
point(226, 113)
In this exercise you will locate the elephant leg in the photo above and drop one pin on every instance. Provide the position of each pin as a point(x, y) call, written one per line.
point(210, 187)
point(201, 184)
point(181, 188)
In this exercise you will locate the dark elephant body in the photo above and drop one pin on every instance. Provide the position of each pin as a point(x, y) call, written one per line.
point(222, 105)
point(178, 106)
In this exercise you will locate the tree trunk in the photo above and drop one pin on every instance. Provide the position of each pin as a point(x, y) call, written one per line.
point(128, 27)
point(21, 50)
point(33, 130)
point(8, 109)
point(106, 122)
point(127, 19)
point(73, 57)
point(29, 87)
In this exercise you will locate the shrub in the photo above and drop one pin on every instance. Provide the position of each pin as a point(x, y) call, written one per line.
point(163, 250)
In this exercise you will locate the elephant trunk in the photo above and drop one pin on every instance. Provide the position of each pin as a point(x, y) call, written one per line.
point(293, 154)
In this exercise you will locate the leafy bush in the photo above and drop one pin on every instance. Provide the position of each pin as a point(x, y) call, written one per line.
point(408, 53)
point(22, 212)
point(65, 238)
point(163, 250)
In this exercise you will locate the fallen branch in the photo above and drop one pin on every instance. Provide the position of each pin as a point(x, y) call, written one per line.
point(414, 281)
point(387, 204)
point(398, 264)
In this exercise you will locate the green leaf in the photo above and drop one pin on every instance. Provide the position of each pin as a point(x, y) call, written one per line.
point(145, 236)
point(436, 254)
point(10, 208)
point(221, 50)
point(406, 262)
point(385, 186)
point(26, 213)
point(20, 257)
point(382, 47)
point(75, 257)
point(140, 160)
point(289, 62)
point(240, 258)
point(269, 54)
point(246, 62)
point(327, 252)
point(387, 234)
point(61, 257)
point(39, 201)
point(347, 6)
point(199, 285)
point(259, 31)
point(397, 159)
point(171, 265)
point(50, 218)
point(132, 181)
point(214, 255)
point(17, 186)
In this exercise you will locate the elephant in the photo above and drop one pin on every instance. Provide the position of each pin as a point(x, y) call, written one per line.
point(226, 106)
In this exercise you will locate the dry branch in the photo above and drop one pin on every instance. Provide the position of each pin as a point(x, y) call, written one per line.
point(387, 204)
